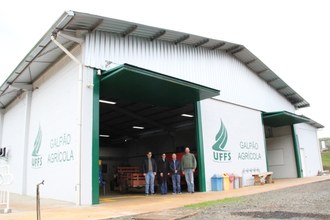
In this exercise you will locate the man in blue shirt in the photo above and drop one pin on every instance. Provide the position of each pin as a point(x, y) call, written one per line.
point(175, 168)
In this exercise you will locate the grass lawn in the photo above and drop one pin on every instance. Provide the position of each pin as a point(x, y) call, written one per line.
point(326, 160)
point(215, 202)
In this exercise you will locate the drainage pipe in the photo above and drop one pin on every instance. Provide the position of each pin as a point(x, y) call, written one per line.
point(38, 200)
point(80, 87)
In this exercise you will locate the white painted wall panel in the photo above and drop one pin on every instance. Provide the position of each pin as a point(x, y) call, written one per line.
point(309, 149)
point(13, 140)
point(53, 137)
point(87, 131)
point(245, 147)
point(210, 68)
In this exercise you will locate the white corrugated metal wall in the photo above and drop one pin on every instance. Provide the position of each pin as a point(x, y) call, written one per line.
point(212, 68)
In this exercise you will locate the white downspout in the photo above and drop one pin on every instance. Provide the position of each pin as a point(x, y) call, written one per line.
point(2, 112)
point(27, 116)
point(80, 87)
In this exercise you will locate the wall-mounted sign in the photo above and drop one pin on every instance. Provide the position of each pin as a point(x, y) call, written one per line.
point(57, 151)
point(249, 150)
point(220, 153)
point(36, 157)
point(60, 151)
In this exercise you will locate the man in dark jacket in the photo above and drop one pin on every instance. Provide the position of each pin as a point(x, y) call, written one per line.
point(175, 168)
point(164, 172)
point(149, 169)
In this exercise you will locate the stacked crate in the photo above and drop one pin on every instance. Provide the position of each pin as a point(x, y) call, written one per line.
point(130, 177)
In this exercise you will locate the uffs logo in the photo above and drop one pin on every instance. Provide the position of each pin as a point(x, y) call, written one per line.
point(36, 157)
point(219, 153)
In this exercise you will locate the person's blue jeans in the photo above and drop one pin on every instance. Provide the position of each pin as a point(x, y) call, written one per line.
point(150, 182)
point(163, 186)
point(176, 178)
point(189, 175)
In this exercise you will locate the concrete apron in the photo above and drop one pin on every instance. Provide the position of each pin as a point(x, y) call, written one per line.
point(24, 207)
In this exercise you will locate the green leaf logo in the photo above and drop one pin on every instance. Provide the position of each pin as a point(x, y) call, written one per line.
point(37, 143)
point(221, 138)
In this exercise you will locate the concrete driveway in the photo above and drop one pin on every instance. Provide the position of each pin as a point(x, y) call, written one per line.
point(24, 207)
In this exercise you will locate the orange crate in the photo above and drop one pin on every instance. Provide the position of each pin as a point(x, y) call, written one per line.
point(137, 180)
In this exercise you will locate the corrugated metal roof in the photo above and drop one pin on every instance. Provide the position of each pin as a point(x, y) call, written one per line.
point(45, 53)
point(314, 123)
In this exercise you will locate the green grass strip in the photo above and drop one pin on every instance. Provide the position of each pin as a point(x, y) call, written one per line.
point(216, 202)
point(326, 160)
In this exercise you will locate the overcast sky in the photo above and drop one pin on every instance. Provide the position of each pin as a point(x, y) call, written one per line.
point(292, 37)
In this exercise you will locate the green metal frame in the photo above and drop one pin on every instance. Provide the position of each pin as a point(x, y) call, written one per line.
point(282, 118)
point(296, 152)
point(200, 149)
point(96, 142)
point(142, 83)
point(151, 87)
point(265, 144)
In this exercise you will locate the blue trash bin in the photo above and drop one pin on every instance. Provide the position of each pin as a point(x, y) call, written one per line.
point(216, 183)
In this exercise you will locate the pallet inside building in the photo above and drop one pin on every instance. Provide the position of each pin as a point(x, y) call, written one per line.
point(129, 177)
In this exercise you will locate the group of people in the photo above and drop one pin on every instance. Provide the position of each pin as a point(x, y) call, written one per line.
point(172, 168)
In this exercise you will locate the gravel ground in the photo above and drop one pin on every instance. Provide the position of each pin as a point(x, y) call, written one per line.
point(309, 201)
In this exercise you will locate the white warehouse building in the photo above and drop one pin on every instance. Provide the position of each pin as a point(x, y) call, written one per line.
point(74, 99)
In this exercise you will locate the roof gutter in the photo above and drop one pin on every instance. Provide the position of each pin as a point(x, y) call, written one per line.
point(80, 88)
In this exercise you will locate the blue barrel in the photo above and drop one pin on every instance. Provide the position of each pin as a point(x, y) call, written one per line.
point(216, 183)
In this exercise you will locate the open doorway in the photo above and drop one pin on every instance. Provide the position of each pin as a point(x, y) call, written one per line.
point(128, 130)
point(140, 111)
point(283, 153)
